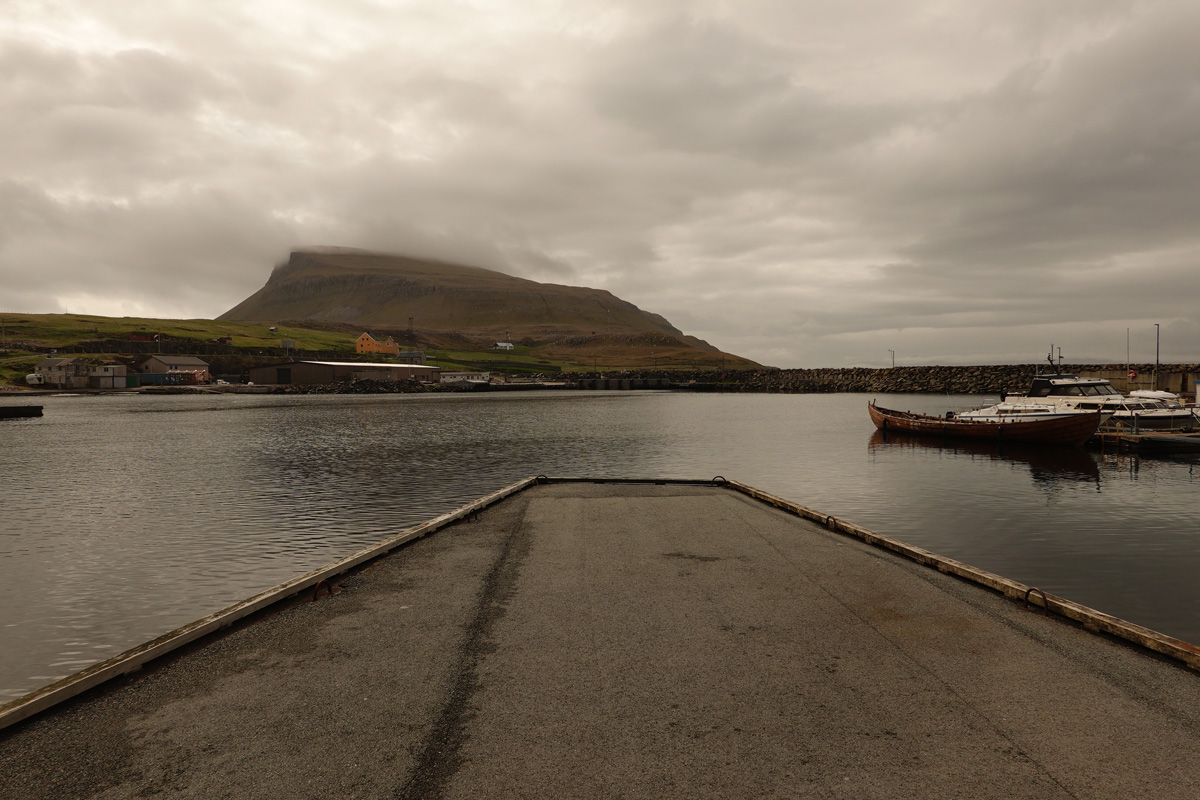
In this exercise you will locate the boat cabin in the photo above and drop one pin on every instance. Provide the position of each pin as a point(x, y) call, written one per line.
point(1069, 386)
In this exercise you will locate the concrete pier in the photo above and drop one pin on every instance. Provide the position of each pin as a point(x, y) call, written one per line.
point(639, 641)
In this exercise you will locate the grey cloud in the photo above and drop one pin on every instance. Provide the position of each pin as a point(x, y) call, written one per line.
point(700, 87)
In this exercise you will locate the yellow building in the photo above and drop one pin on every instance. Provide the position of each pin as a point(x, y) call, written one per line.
point(369, 344)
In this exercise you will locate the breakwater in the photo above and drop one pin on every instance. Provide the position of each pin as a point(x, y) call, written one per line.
point(986, 379)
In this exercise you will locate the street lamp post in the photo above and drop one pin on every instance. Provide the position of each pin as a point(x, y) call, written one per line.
point(893, 352)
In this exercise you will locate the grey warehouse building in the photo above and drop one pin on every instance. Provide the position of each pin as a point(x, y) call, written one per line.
point(299, 373)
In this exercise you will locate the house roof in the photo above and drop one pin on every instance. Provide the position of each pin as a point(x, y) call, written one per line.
point(180, 361)
point(54, 362)
point(366, 364)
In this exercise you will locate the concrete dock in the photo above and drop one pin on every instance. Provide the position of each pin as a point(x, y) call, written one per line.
point(638, 641)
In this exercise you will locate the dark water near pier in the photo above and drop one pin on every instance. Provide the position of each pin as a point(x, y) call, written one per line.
point(123, 517)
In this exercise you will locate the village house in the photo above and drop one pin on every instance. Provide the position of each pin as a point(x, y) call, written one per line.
point(61, 373)
point(369, 344)
point(76, 373)
point(161, 369)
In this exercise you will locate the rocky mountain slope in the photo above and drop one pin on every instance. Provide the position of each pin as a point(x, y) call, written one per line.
point(388, 292)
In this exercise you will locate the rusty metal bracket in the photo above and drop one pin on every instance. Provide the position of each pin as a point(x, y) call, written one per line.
point(322, 585)
point(1045, 601)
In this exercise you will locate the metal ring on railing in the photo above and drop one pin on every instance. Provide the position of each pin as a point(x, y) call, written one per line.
point(831, 522)
point(719, 480)
point(1045, 601)
point(322, 584)
point(540, 478)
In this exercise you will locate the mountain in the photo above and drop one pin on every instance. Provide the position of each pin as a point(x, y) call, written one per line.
point(388, 292)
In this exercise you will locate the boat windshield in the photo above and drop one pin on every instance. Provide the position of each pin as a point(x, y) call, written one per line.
point(1069, 386)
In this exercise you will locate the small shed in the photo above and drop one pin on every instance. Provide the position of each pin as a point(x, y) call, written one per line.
point(466, 377)
point(107, 376)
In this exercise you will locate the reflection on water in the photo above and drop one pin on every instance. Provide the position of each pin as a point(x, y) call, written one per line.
point(123, 517)
point(1046, 464)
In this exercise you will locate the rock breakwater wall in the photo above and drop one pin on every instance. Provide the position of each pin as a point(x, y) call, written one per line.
point(988, 379)
point(953, 380)
point(917, 380)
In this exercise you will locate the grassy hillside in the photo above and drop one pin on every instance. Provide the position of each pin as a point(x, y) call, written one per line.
point(67, 330)
point(27, 338)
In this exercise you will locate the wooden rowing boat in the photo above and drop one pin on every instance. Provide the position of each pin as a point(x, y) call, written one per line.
point(1072, 430)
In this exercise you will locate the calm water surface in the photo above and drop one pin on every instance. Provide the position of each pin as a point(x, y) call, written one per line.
point(122, 517)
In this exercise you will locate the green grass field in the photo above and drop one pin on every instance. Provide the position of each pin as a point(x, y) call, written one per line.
point(63, 330)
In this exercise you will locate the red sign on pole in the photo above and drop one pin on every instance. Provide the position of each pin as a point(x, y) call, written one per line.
point(1132, 374)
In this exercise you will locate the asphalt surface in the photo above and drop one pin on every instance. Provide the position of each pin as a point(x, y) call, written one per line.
point(583, 640)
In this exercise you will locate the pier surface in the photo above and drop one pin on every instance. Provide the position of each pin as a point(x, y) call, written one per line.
point(586, 640)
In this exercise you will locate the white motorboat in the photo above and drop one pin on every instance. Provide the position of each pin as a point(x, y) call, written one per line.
point(1014, 412)
point(1097, 394)
point(1170, 398)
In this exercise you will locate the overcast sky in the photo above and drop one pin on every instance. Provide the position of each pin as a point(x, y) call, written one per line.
point(801, 183)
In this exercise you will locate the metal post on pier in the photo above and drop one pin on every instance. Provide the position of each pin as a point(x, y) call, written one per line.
point(1156, 339)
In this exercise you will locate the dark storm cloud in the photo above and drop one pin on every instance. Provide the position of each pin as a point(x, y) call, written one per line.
point(800, 183)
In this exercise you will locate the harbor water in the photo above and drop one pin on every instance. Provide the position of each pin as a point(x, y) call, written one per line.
point(124, 516)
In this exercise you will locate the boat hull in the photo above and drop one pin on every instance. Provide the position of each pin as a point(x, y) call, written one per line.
point(12, 412)
point(1073, 430)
